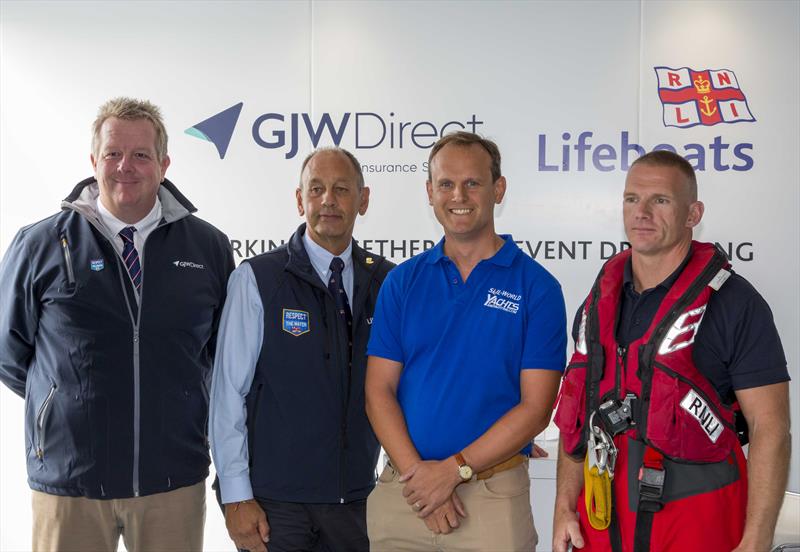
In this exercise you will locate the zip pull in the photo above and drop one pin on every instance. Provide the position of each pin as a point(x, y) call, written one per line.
point(41, 417)
point(67, 259)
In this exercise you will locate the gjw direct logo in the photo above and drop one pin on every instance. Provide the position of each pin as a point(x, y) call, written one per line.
point(368, 130)
point(688, 97)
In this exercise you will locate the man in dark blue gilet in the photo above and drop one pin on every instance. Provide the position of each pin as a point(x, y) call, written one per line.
point(293, 448)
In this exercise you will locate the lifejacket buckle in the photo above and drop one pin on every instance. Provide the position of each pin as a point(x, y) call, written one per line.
point(616, 415)
point(651, 488)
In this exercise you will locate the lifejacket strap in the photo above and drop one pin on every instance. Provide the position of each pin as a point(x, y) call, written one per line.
point(651, 490)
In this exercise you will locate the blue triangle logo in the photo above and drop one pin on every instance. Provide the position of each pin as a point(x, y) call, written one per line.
point(218, 129)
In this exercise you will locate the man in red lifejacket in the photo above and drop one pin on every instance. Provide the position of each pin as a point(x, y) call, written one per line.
point(673, 351)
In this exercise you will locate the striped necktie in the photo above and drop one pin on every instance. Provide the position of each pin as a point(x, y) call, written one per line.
point(131, 256)
point(336, 287)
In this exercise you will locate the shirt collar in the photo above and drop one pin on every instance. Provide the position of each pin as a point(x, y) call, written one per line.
point(627, 276)
point(115, 225)
point(504, 256)
point(321, 258)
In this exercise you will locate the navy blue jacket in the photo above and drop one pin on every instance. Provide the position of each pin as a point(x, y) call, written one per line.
point(116, 395)
point(308, 434)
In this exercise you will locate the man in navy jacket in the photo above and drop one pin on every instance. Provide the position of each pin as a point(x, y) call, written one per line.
point(108, 318)
point(291, 441)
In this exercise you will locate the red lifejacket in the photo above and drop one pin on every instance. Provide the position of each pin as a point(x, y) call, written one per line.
point(678, 415)
point(678, 410)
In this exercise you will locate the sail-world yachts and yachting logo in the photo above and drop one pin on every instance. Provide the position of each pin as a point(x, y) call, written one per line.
point(704, 97)
point(218, 129)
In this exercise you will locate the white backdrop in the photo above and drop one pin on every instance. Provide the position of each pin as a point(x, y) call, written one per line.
point(533, 76)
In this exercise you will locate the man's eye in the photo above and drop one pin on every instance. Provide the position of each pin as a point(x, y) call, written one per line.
point(629, 200)
point(473, 184)
point(445, 185)
point(111, 154)
point(141, 155)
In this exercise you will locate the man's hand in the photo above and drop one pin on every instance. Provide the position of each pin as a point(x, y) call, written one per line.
point(538, 452)
point(445, 518)
point(247, 526)
point(428, 484)
point(566, 530)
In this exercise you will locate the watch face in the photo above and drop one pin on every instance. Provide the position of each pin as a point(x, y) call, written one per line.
point(465, 472)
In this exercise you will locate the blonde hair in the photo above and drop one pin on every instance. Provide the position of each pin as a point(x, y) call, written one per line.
point(130, 109)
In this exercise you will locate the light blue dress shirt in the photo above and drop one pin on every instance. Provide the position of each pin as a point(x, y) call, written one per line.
point(239, 342)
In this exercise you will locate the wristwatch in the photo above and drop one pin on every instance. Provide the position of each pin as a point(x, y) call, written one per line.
point(464, 470)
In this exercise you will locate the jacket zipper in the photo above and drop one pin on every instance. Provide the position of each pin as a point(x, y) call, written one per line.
point(135, 321)
point(622, 360)
point(41, 418)
point(67, 260)
point(343, 356)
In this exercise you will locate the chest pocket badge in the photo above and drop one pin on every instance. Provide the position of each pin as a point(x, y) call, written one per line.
point(296, 322)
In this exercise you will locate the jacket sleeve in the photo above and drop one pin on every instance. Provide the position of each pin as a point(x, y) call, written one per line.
point(19, 314)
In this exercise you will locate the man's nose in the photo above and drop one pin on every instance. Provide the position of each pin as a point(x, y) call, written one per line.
point(328, 197)
point(459, 192)
point(642, 210)
point(125, 164)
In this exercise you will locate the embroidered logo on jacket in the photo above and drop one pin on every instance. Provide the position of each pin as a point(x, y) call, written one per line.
point(296, 322)
point(97, 264)
point(188, 264)
point(683, 331)
point(697, 407)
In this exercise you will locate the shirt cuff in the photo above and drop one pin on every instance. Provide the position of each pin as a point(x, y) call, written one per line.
point(235, 489)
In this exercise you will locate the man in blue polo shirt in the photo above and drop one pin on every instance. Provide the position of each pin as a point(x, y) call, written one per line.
point(466, 352)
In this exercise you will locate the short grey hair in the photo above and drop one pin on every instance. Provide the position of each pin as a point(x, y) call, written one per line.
point(335, 149)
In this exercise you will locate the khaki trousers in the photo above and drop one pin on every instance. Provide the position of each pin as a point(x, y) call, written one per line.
point(163, 522)
point(499, 517)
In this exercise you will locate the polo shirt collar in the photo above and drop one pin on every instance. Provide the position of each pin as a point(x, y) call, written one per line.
point(504, 256)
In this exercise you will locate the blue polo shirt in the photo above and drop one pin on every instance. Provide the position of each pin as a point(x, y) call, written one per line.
point(463, 344)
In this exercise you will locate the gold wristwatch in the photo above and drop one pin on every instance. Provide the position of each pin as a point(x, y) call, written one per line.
point(464, 470)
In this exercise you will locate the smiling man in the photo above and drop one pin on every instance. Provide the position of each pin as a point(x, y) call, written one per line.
point(672, 352)
point(110, 340)
point(466, 353)
point(291, 442)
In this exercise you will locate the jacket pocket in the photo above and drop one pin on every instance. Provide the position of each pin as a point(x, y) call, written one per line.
point(41, 422)
point(683, 421)
point(571, 410)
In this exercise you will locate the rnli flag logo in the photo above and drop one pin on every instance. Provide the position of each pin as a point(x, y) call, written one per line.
point(295, 322)
point(704, 97)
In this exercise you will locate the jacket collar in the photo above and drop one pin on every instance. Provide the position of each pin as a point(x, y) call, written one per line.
point(364, 265)
point(83, 199)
